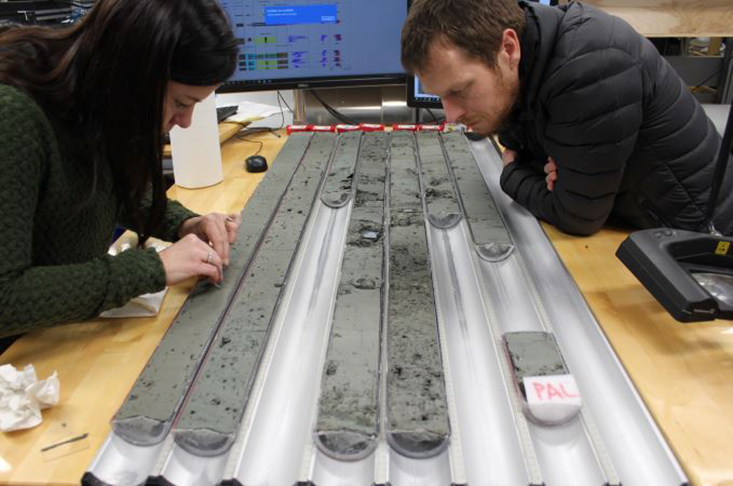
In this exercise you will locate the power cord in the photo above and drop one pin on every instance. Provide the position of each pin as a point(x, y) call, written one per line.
point(332, 111)
point(702, 83)
point(437, 120)
point(261, 144)
point(249, 131)
point(281, 97)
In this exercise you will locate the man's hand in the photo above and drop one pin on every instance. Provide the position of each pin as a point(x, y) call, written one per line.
point(508, 157)
point(551, 171)
point(215, 229)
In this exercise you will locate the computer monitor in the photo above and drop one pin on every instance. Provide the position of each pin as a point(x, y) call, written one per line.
point(418, 98)
point(313, 44)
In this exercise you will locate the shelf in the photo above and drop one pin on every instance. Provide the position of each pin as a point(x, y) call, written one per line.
point(673, 18)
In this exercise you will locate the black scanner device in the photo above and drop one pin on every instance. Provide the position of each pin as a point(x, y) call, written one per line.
point(256, 163)
point(689, 273)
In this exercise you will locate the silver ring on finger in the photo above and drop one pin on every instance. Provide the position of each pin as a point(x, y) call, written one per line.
point(209, 257)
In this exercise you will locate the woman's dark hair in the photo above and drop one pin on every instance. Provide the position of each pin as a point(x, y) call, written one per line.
point(107, 76)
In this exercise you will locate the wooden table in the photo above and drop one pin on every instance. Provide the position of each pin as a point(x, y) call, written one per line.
point(684, 372)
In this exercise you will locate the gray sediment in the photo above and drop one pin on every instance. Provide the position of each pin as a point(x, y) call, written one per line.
point(347, 424)
point(147, 414)
point(417, 412)
point(484, 219)
point(209, 421)
point(339, 181)
point(443, 210)
point(533, 353)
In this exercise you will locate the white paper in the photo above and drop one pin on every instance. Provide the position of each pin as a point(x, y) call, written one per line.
point(248, 111)
point(22, 397)
point(146, 305)
point(552, 399)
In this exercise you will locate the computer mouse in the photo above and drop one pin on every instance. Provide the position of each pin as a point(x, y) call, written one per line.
point(256, 163)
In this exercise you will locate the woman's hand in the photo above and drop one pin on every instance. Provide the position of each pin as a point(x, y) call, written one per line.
point(215, 229)
point(190, 257)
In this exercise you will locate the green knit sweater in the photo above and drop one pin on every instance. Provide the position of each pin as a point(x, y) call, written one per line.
point(54, 266)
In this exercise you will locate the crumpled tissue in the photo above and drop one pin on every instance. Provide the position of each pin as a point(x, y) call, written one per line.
point(22, 397)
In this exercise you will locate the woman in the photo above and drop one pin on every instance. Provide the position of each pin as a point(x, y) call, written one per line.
point(82, 115)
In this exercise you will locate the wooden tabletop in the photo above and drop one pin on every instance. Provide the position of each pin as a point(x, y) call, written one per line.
point(684, 372)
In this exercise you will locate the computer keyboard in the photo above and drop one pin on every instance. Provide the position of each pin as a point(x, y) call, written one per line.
point(222, 113)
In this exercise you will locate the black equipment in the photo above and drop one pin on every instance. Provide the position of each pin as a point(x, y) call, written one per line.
point(689, 273)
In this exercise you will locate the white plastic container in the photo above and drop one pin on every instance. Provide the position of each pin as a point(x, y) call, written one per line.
point(195, 150)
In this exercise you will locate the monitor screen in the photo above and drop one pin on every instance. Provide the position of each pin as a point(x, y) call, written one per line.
point(315, 43)
point(418, 98)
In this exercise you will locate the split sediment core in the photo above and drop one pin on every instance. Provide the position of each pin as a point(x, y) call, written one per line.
point(533, 353)
point(337, 188)
point(442, 204)
point(490, 236)
point(347, 425)
point(417, 412)
point(220, 334)
point(209, 422)
point(146, 415)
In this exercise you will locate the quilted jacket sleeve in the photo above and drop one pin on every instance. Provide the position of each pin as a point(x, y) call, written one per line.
point(593, 100)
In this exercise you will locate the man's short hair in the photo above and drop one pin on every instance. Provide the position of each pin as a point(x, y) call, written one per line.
point(476, 26)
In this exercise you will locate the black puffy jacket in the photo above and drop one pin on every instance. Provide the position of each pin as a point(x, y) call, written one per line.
point(629, 140)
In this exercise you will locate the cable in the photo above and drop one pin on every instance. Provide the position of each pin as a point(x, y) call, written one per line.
point(282, 112)
point(702, 83)
point(255, 130)
point(249, 130)
point(281, 97)
point(261, 144)
point(437, 120)
point(334, 113)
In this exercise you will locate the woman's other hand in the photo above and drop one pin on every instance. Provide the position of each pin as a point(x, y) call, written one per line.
point(215, 229)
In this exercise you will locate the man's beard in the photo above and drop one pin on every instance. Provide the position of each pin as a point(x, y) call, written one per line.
point(510, 111)
point(508, 119)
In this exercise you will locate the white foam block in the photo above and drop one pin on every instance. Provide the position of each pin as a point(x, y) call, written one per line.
point(552, 399)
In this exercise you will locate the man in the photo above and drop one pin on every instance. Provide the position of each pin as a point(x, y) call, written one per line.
point(595, 123)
